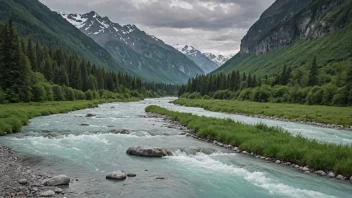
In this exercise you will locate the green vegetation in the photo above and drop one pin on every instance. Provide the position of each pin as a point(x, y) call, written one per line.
point(329, 85)
point(267, 141)
point(14, 116)
point(321, 114)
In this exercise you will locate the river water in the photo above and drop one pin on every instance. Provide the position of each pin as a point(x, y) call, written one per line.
point(58, 144)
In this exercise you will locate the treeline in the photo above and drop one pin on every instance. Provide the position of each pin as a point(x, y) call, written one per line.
point(327, 85)
point(32, 72)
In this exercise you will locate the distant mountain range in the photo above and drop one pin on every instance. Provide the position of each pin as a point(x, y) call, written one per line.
point(146, 55)
point(208, 62)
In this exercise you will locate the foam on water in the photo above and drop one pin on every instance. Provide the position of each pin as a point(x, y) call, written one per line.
point(203, 161)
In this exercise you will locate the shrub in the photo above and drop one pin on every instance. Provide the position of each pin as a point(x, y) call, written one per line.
point(245, 94)
point(223, 94)
point(57, 92)
point(79, 95)
point(38, 93)
point(195, 95)
point(89, 95)
point(69, 93)
point(49, 92)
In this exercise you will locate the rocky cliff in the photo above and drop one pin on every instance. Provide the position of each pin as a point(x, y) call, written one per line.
point(287, 21)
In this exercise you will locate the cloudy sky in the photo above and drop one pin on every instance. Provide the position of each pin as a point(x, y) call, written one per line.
point(215, 26)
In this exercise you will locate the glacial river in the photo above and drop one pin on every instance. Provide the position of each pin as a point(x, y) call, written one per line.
point(58, 144)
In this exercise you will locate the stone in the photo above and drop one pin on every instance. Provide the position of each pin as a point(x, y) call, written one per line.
point(340, 177)
point(57, 181)
point(84, 124)
point(48, 193)
point(123, 131)
point(331, 174)
point(148, 151)
point(320, 173)
point(351, 178)
point(58, 190)
point(215, 142)
point(220, 144)
point(228, 146)
point(131, 175)
point(296, 166)
point(305, 169)
point(306, 172)
point(117, 175)
point(91, 115)
point(183, 133)
point(23, 181)
point(278, 161)
point(160, 178)
point(245, 152)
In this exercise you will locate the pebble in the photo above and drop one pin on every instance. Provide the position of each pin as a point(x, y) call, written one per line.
point(23, 181)
point(48, 193)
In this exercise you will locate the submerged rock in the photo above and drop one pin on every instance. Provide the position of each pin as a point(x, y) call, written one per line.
point(57, 181)
point(84, 124)
point(48, 193)
point(91, 115)
point(131, 175)
point(160, 178)
point(117, 175)
point(148, 151)
point(123, 131)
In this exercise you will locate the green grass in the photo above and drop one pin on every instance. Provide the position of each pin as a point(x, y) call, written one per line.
point(14, 116)
point(314, 113)
point(267, 141)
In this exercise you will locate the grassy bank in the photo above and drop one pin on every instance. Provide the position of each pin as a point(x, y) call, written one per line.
point(267, 141)
point(314, 113)
point(14, 116)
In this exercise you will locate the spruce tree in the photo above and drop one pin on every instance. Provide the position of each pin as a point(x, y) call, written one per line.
point(313, 73)
point(32, 55)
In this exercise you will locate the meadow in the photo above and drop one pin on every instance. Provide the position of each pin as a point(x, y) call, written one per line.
point(14, 116)
point(267, 141)
point(296, 112)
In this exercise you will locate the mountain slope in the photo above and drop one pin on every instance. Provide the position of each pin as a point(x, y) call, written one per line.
point(198, 57)
point(322, 28)
point(146, 55)
point(35, 20)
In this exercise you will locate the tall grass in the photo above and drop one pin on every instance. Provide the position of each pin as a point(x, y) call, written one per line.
point(314, 113)
point(267, 141)
point(14, 116)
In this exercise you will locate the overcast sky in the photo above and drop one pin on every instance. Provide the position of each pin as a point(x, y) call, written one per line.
point(215, 26)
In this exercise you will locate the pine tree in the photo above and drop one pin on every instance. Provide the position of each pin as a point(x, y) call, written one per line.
point(76, 78)
point(84, 75)
point(32, 55)
point(313, 73)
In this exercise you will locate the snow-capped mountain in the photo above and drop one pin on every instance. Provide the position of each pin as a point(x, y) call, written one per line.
point(198, 57)
point(218, 59)
point(149, 56)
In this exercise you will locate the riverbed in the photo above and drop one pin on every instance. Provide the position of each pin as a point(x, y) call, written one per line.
point(59, 144)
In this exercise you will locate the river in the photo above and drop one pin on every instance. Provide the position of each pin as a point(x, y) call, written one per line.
point(58, 144)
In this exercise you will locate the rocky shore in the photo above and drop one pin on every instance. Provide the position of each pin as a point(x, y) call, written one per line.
point(232, 148)
point(19, 180)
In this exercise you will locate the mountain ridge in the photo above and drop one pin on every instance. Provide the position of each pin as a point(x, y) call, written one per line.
point(145, 54)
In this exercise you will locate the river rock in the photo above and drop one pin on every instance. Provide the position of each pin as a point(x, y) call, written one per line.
point(305, 169)
point(84, 124)
point(340, 177)
point(58, 190)
point(278, 161)
point(57, 181)
point(131, 175)
point(48, 193)
point(306, 172)
point(91, 115)
point(160, 178)
point(123, 131)
point(331, 174)
point(320, 172)
point(245, 152)
point(117, 175)
point(23, 181)
point(148, 151)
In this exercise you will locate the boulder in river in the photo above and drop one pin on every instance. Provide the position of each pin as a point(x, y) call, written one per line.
point(117, 175)
point(160, 178)
point(123, 131)
point(148, 151)
point(84, 124)
point(320, 172)
point(131, 175)
point(331, 174)
point(91, 115)
point(340, 177)
point(57, 181)
point(23, 181)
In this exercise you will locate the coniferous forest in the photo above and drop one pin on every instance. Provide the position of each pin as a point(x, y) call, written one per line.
point(313, 85)
point(32, 72)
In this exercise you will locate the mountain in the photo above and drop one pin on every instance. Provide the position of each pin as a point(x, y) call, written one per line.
point(198, 57)
point(292, 33)
point(218, 59)
point(145, 54)
point(34, 20)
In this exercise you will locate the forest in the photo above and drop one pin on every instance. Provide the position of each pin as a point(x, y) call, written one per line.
point(314, 84)
point(32, 72)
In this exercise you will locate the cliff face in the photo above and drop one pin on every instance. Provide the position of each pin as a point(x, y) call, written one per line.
point(287, 21)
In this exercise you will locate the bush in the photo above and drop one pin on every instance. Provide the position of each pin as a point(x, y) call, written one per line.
point(195, 95)
point(89, 95)
point(245, 94)
point(38, 93)
point(57, 92)
point(315, 95)
point(2, 97)
point(224, 94)
point(261, 94)
point(79, 95)
point(49, 92)
point(69, 93)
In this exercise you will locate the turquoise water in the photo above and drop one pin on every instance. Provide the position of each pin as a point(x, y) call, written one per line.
point(58, 144)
